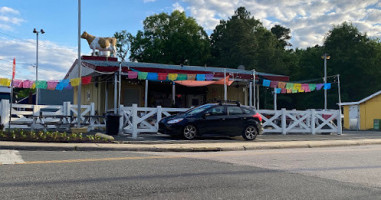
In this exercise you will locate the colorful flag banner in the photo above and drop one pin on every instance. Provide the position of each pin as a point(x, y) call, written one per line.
point(181, 77)
point(274, 84)
point(17, 83)
point(306, 87)
point(312, 87)
point(52, 85)
point(319, 86)
point(75, 82)
point(41, 84)
point(327, 86)
point(289, 86)
point(284, 90)
point(62, 84)
point(142, 75)
point(278, 90)
point(281, 84)
point(200, 77)
point(27, 84)
point(5, 82)
point(172, 76)
point(266, 83)
point(289, 91)
point(191, 77)
point(297, 86)
point(162, 76)
point(86, 80)
point(132, 75)
point(152, 76)
point(209, 77)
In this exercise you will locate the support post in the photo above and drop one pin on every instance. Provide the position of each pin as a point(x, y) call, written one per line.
point(225, 87)
point(250, 94)
point(339, 124)
point(134, 113)
point(173, 93)
point(121, 119)
point(106, 97)
point(158, 115)
point(4, 113)
point(254, 98)
point(120, 83)
point(79, 65)
point(257, 97)
point(146, 95)
point(313, 124)
point(275, 99)
point(284, 124)
point(115, 93)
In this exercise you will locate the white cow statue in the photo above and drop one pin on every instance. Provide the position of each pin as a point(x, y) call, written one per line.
point(100, 43)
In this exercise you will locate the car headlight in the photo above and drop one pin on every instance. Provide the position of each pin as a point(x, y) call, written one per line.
point(174, 121)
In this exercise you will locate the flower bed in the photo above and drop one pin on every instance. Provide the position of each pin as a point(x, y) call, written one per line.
point(47, 136)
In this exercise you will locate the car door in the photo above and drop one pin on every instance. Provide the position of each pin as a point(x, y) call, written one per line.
point(212, 120)
point(234, 120)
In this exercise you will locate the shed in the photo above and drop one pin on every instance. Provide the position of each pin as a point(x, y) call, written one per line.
point(360, 115)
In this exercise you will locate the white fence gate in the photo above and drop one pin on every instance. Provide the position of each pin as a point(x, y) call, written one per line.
point(140, 119)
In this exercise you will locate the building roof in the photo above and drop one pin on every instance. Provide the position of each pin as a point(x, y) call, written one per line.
point(104, 65)
point(362, 100)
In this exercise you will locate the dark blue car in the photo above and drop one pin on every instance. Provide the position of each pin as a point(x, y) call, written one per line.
point(216, 119)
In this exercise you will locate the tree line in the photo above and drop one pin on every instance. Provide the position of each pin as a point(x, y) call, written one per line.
point(243, 40)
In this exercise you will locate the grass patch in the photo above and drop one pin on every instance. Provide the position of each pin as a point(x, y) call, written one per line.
point(48, 136)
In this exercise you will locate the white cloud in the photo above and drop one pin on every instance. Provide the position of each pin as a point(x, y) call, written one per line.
point(148, 1)
point(54, 61)
point(309, 20)
point(177, 6)
point(5, 10)
point(7, 20)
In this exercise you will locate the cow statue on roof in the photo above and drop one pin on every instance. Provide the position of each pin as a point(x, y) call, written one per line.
point(100, 43)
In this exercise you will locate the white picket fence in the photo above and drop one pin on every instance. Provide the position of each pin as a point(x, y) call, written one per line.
point(136, 120)
point(46, 116)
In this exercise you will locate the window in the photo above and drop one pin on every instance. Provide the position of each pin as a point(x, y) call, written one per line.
point(218, 110)
point(233, 110)
point(247, 111)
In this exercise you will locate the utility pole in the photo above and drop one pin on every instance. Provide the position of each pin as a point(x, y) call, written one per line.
point(325, 57)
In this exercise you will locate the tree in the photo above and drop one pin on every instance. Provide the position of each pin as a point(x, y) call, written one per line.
point(123, 43)
point(356, 58)
point(171, 39)
point(242, 40)
point(282, 34)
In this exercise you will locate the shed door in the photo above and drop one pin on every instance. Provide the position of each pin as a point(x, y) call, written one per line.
point(354, 117)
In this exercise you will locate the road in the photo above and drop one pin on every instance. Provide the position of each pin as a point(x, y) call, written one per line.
point(315, 173)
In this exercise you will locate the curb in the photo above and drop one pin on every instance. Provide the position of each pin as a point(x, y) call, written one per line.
point(194, 147)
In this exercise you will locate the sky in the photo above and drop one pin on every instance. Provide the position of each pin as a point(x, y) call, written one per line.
point(309, 21)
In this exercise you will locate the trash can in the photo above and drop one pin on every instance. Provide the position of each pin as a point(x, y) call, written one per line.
point(376, 124)
point(112, 124)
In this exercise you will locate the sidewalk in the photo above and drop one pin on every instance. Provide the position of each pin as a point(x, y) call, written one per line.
point(157, 142)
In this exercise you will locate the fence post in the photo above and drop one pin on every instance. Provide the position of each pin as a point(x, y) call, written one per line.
point(158, 116)
point(92, 113)
point(134, 114)
point(121, 119)
point(313, 113)
point(4, 113)
point(339, 125)
point(284, 124)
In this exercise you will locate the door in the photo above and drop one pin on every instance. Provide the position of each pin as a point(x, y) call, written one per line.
point(234, 120)
point(131, 96)
point(213, 121)
point(354, 117)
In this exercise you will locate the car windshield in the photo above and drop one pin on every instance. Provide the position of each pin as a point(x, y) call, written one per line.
point(198, 109)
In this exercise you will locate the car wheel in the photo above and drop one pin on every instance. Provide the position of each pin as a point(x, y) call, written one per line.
point(250, 132)
point(189, 132)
